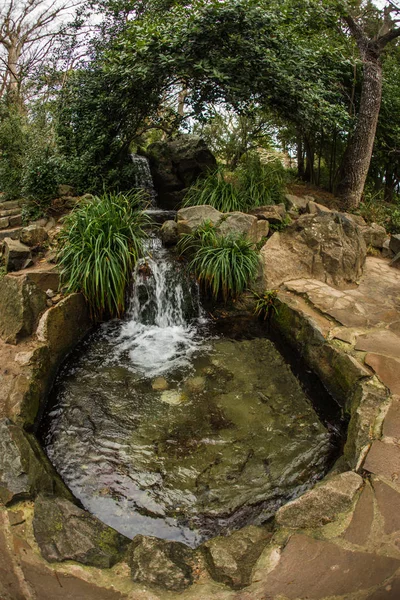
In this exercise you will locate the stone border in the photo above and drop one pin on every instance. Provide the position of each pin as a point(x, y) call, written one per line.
point(247, 557)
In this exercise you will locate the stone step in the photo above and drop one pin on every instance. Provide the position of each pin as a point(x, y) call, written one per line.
point(11, 221)
point(10, 204)
point(9, 212)
point(13, 233)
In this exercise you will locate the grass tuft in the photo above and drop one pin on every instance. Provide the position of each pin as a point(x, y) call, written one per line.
point(99, 245)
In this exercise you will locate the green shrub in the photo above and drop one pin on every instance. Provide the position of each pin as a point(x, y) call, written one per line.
point(252, 184)
point(223, 265)
point(265, 303)
point(41, 177)
point(376, 210)
point(99, 245)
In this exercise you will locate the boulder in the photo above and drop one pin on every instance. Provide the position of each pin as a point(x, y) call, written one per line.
point(64, 324)
point(34, 235)
point(274, 213)
point(394, 243)
point(238, 223)
point(313, 208)
point(168, 565)
point(175, 165)
point(24, 469)
point(326, 247)
point(374, 235)
point(21, 304)
point(65, 532)
point(386, 251)
point(16, 255)
point(395, 262)
point(169, 233)
point(13, 234)
point(190, 218)
point(262, 230)
point(322, 504)
point(297, 203)
point(231, 559)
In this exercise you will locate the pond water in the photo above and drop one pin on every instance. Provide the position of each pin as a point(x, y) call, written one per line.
point(161, 428)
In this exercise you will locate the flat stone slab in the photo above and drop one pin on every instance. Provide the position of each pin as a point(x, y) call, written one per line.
point(360, 526)
point(389, 591)
point(389, 505)
point(384, 460)
point(380, 342)
point(391, 424)
point(387, 369)
point(315, 569)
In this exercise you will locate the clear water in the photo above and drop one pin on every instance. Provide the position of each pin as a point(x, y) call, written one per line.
point(161, 429)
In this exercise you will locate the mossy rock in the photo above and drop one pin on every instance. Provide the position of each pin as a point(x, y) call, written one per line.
point(64, 532)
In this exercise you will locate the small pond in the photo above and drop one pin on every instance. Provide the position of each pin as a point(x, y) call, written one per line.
point(162, 426)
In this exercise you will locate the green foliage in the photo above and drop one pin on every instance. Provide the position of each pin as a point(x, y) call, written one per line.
point(265, 303)
point(252, 184)
point(13, 142)
point(99, 245)
point(280, 226)
point(375, 210)
point(41, 177)
point(223, 265)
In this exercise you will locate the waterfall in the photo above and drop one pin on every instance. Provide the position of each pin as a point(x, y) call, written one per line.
point(143, 178)
point(161, 331)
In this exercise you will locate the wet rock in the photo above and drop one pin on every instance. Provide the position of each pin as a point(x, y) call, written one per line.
point(175, 165)
point(238, 223)
point(190, 218)
point(71, 317)
point(329, 248)
point(65, 532)
point(34, 235)
point(274, 213)
point(169, 233)
point(195, 385)
point(16, 255)
point(173, 397)
point(24, 470)
point(394, 244)
point(322, 504)
point(231, 559)
point(160, 384)
point(374, 235)
point(161, 563)
point(21, 303)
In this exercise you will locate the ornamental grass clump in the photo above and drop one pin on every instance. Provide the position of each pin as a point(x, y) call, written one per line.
point(223, 265)
point(252, 184)
point(99, 245)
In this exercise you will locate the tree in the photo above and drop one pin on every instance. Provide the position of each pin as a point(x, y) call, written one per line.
point(357, 157)
point(28, 30)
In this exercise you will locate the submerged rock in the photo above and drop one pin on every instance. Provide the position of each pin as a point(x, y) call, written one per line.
point(173, 397)
point(65, 532)
point(168, 565)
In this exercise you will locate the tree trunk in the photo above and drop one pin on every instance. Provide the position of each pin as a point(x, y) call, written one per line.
point(300, 157)
point(310, 156)
point(357, 157)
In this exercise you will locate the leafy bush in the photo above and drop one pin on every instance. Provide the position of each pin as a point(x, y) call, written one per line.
point(375, 210)
point(41, 177)
point(99, 245)
point(13, 142)
point(252, 184)
point(223, 265)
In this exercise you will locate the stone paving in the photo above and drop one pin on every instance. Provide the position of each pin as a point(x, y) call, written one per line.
point(352, 555)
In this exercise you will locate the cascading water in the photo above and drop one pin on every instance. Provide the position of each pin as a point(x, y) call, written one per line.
point(143, 178)
point(161, 331)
